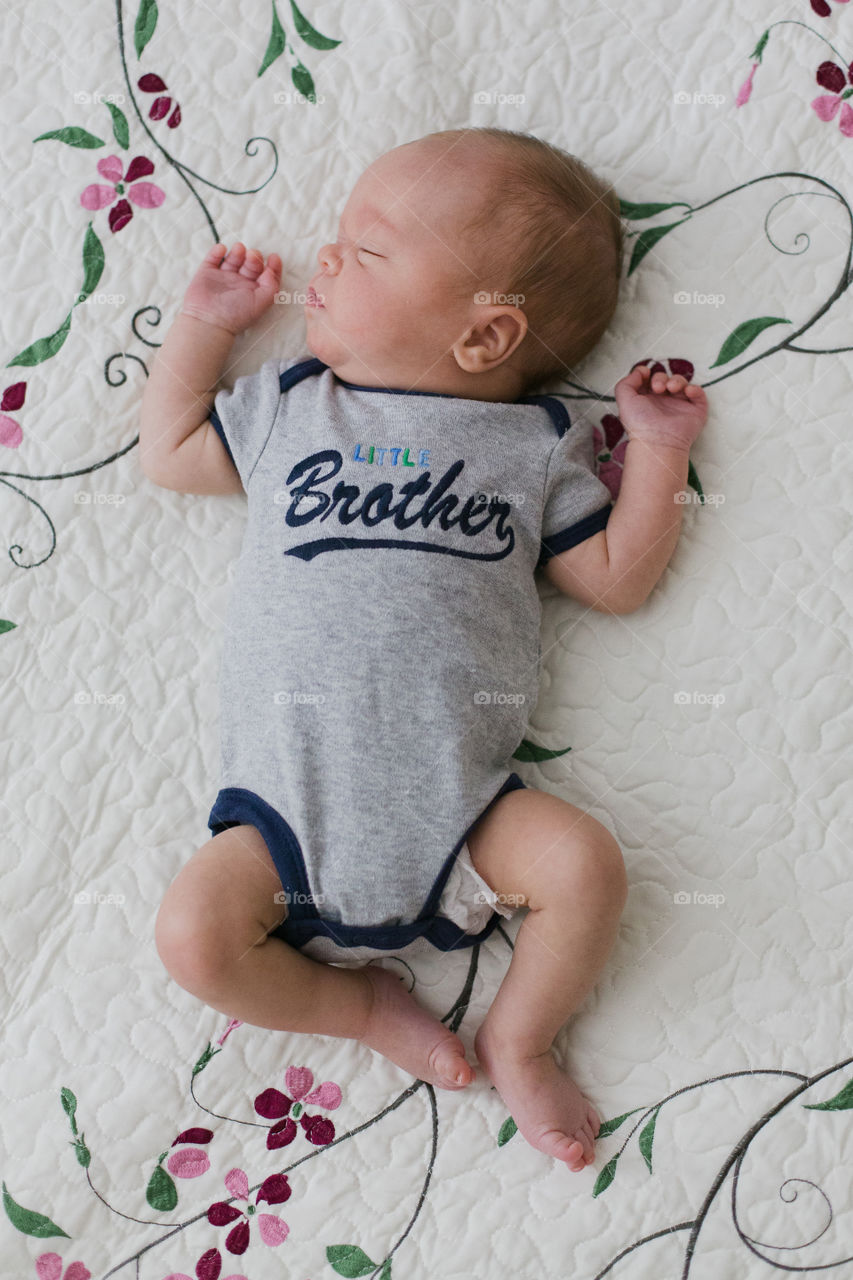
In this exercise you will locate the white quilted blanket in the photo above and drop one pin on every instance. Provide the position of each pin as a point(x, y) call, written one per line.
point(709, 730)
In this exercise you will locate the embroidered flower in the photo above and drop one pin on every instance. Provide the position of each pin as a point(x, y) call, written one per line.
point(232, 1026)
point(160, 106)
point(10, 431)
point(49, 1267)
point(143, 194)
point(208, 1267)
point(822, 9)
point(831, 76)
point(745, 90)
point(275, 1190)
point(190, 1161)
point(273, 1105)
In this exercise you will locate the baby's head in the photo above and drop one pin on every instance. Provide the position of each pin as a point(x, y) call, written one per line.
point(480, 262)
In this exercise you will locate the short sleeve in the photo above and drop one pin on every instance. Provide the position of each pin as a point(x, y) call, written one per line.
point(577, 504)
point(244, 415)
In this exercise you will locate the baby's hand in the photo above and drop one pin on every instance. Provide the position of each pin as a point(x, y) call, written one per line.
point(232, 290)
point(666, 410)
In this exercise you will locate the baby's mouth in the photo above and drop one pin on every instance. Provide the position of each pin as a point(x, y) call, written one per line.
point(313, 299)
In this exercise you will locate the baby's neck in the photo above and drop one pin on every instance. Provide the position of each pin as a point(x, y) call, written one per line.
point(501, 384)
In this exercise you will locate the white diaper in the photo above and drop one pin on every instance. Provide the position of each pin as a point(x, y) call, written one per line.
point(467, 900)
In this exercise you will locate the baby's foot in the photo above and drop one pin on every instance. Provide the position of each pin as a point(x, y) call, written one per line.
point(547, 1106)
point(399, 1029)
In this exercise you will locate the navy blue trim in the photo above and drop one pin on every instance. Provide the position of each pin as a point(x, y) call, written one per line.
point(575, 533)
point(236, 805)
point(557, 411)
point(220, 431)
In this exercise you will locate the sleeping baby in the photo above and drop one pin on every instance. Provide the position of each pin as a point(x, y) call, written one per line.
point(381, 655)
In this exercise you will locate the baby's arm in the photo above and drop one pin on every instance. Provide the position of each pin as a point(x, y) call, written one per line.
point(178, 445)
point(615, 570)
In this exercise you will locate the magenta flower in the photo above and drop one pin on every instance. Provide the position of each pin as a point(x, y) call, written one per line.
point(273, 1105)
point(190, 1161)
point(822, 9)
point(49, 1267)
point(143, 194)
point(275, 1190)
point(743, 93)
point(831, 76)
point(160, 106)
point(208, 1267)
point(10, 431)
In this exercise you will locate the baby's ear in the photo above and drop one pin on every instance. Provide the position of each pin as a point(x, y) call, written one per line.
point(495, 334)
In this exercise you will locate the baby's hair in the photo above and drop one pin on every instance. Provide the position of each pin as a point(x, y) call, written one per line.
point(552, 233)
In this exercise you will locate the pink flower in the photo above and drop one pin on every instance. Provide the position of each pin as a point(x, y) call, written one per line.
point(275, 1189)
point(232, 1026)
point(208, 1267)
point(190, 1162)
point(831, 76)
point(49, 1267)
point(160, 106)
point(144, 194)
point(745, 90)
point(10, 431)
point(272, 1105)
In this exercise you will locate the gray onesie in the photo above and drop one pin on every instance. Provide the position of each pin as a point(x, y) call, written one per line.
point(381, 655)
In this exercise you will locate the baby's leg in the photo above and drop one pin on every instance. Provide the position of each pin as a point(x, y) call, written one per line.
point(568, 869)
point(211, 934)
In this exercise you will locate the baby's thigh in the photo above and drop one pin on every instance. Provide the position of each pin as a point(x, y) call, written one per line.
point(530, 842)
point(229, 888)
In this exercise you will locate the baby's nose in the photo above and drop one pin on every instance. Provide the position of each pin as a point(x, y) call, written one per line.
point(329, 257)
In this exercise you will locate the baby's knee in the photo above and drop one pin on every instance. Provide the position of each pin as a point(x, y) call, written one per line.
point(591, 854)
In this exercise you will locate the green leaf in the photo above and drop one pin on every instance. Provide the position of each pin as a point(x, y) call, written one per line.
point(275, 48)
point(693, 479)
point(209, 1053)
point(842, 1101)
point(93, 264)
point(529, 751)
point(610, 1126)
point(308, 33)
point(349, 1260)
point(385, 1273)
point(629, 210)
point(84, 1155)
point(301, 78)
point(740, 338)
point(604, 1179)
point(161, 1192)
point(29, 1222)
point(69, 1106)
point(508, 1129)
point(755, 56)
point(647, 1137)
point(647, 240)
point(146, 21)
point(44, 348)
point(120, 127)
point(74, 136)
point(6, 625)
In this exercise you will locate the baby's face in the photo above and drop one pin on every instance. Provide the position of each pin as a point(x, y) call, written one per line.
point(397, 286)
